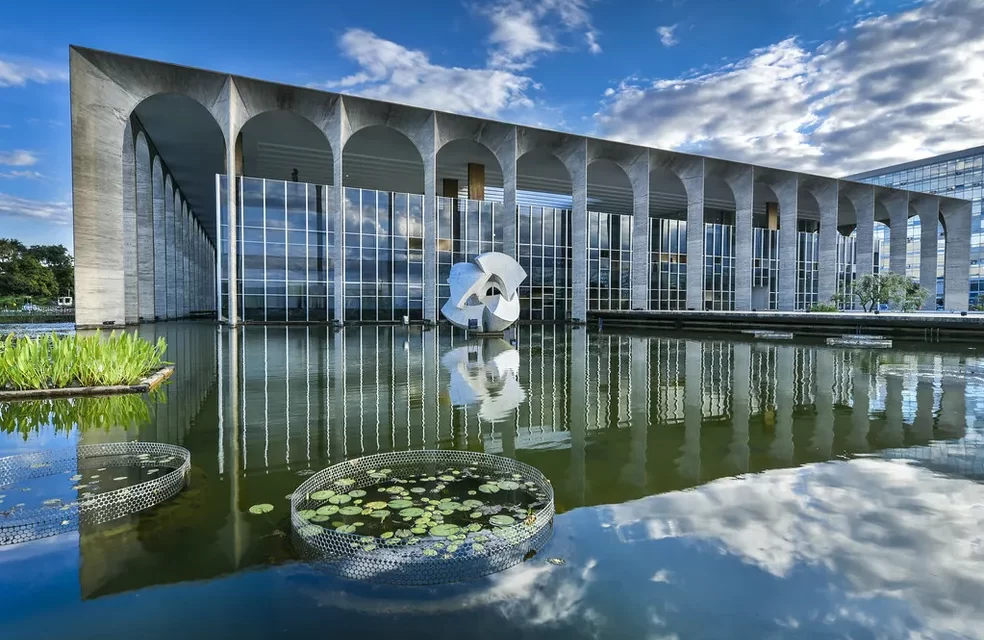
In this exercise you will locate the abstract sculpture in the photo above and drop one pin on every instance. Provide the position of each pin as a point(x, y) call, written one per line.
point(484, 293)
point(485, 374)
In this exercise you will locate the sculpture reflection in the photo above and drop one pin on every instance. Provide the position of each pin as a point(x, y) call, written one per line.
point(485, 374)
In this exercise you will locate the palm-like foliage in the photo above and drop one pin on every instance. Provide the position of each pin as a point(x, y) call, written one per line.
point(53, 361)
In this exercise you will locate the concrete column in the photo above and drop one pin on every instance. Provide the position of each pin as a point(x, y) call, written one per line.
point(234, 157)
point(160, 243)
point(922, 426)
point(181, 247)
point(782, 446)
point(864, 206)
point(638, 173)
point(928, 210)
point(898, 211)
point(688, 464)
point(427, 143)
point(893, 432)
point(129, 186)
point(860, 423)
point(741, 368)
point(787, 191)
point(827, 194)
point(577, 164)
point(579, 411)
point(169, 253)
point(691, 173)
point(823, 434)
point(742, 183)
point(506, 152)
point(145, 232)
point(639, 410)
point(953, 401)
point(956, 276)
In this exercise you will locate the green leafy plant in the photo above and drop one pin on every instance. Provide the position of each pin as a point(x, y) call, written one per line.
point(825, 307)
point(892, 289)
point(65, 414)
point(53, 361)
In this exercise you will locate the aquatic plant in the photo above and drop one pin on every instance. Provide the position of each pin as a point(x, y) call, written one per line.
point(84, 413)
point(53, 361)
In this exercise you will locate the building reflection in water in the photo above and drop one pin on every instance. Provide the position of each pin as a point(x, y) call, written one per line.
point(608, 418)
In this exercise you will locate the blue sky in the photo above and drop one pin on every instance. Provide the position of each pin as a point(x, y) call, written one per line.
point(831, 86)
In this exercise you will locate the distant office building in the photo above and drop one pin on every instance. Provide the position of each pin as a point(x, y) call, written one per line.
point(955, 175)
point(204, 193)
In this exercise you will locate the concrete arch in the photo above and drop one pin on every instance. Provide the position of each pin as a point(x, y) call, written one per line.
point(540, 170)
point(453, 161)
point(276, 141)
point(129, 223)
point(145, 230)
point(405, 167)
point(160, 240)
point(609, 188)
point(497, 138)
point(417, 125)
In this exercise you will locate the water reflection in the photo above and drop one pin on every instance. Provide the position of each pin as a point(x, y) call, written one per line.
point(485, 374)
point(619, 423)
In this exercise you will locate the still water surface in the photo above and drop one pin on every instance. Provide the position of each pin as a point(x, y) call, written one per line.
point(704, 488)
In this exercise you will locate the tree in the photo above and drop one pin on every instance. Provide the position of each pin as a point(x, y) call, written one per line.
point(893, 289)
point(22, 273)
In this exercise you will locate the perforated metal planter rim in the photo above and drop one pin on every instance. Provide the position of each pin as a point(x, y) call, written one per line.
point(405, 563)
point(43, 522)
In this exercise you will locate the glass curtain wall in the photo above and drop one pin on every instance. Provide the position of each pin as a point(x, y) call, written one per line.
point(609, 261)
point(284, 241)
point(465, 230)
point(846, 259)
point(668, 264)
point(765, 268)
point(807, 269)
point(719, 267)
point(384, 256)
point(545, 254)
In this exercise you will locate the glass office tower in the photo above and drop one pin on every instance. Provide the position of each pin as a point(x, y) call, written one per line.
point(957, 175)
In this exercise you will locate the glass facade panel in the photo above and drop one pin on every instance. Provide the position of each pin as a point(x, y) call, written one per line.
point(765, 268)
point(546, 293)
point(465, 230)
point(719, 267)
point(807, 269)
point(609, 261)
point(667, 264)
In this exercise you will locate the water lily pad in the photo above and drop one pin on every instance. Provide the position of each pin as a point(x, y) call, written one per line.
point(324, 494)
point(375, 505)
point(411, 512)
point(476, 514)
point(350, 511)
point(446, 478)
point(307, 514)
point(309, 530)
point(452, 548)
point(385, 471)
point(478, 547)
point(345, 528)
point(501, 520)
point(472, 504)
point(429, 553)
point(489, 488)
point(340, 498)
point(320, 518)
point(403, 533)
point(444, 530)
point(357, 493)
point(327, 510)
point(345, 482)
point(258, 509)
point(400, 504)
point(395, 489)
point(369, 547)
point(119, 479)
point(474, 527)
point(376, 475)
point(386, 535)
point(449, 506)
point(472, 493)
point(382, 514)
point(418, 530)
point(418, 490)
point(508, 485)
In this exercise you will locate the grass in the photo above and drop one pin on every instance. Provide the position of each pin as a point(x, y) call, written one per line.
point(54, 362)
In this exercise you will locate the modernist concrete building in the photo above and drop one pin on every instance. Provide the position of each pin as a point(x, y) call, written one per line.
point(349, 209)
point(957, 175)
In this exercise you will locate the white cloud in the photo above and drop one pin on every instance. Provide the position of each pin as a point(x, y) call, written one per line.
point(30, 175)
point(55, 212)
point(893, 88)
point(392, 72)
point(17, 73)
point(667, 35)
point(521, 29)
point(18, 158)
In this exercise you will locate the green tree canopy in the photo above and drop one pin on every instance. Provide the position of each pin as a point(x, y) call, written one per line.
point(42, 272)
point(895, 290)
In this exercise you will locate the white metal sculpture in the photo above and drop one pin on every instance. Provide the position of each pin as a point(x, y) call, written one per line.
point(484, 293)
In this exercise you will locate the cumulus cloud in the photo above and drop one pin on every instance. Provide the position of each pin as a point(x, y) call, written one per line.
point(389, 71)
point(56, 212)
point(667, 35)
point(521, 29)
point(18, 158)
point(17, 73)
point(892, 88)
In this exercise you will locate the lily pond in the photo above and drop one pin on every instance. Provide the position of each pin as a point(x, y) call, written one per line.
point(704, 488)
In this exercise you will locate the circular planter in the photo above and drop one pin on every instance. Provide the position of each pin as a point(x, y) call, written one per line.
point(32, 524)
point(414, 560)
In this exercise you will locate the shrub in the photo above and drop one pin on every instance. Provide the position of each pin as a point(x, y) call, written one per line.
point(824, 307)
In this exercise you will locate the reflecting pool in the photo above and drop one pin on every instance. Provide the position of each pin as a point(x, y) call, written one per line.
point(705, 488)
